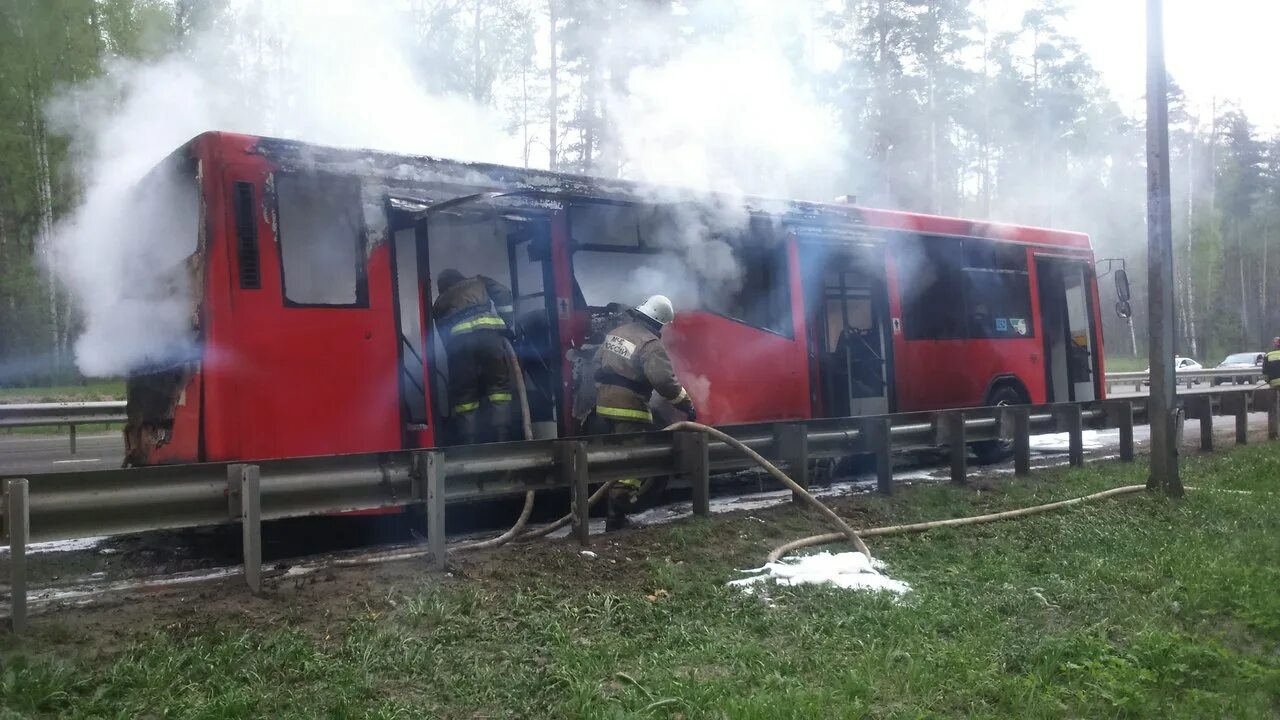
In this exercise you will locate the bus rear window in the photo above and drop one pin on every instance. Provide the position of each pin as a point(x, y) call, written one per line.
point(321, 238)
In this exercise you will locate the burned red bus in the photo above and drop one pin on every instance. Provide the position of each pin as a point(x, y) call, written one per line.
point(311, 284)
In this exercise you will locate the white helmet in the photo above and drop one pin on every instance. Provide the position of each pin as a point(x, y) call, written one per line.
point(658, 309)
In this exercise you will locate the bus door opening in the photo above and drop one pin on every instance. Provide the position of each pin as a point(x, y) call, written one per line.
point(846, 307)
point(1070, 351)
point(409, 274)
point(511, 245)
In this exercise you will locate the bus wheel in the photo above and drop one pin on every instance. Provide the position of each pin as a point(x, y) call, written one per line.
point(990, 452)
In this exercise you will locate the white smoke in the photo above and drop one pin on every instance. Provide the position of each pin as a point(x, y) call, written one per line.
point(730, 114)
point(341, 73)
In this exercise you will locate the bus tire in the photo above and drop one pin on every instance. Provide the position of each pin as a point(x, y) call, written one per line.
point(990, 452)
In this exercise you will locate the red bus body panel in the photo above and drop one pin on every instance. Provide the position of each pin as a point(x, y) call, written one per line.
point(285, 381)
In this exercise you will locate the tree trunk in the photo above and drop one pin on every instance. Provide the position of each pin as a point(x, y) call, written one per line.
point(1244, 290)
point(524, 111)
point(44, 195)
point(1263, 317)
point(476, 92)
point(552, 108)
point(1189, 280)
point(985, 160)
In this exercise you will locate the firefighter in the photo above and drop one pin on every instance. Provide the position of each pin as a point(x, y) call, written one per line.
point(474, 316)
point(632, 363)
point(1271, 364)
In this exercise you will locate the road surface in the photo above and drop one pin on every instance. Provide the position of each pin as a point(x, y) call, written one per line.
point(22, 454)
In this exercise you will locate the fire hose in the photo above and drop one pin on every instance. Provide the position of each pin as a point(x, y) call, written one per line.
point(845, 532)
point(527, 424)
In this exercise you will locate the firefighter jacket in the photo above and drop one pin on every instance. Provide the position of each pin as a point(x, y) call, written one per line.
point(477, 303)
point(1271, 368)
point(634, 363)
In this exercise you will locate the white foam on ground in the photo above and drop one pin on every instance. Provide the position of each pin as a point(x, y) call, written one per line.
point(57, 546)
point(1060, 442)
point(847, 570)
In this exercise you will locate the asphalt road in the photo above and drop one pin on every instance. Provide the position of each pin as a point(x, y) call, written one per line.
point(20, 454)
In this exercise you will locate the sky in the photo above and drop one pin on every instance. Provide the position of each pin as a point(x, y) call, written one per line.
point(1214, 49)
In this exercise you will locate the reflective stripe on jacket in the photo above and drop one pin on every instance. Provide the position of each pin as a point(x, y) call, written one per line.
point(472, 304)
point(635, 356)
point(1271, 368)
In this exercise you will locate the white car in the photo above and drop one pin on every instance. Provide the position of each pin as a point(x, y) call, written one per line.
point(1181, 364)
point(1249, 362)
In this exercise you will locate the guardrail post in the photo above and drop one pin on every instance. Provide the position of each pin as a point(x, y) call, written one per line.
point(693, 463)
point(245, 480)
point(18, 528)
point(1239, 405)
point(431, 466)
point(1021, 440)
point(571, 464)
point(793, 451)
point(1204, 408)
point(879, 441)
point(73, 438)
point(1069, 419)
point(959, 450)
point(1121, 412)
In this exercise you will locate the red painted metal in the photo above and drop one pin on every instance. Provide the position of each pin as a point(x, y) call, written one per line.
point(737, 373)
point(278, 381)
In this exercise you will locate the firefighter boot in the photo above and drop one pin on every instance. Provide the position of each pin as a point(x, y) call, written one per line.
point(622, 500)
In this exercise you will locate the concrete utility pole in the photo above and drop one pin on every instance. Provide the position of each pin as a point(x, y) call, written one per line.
point(1162, 404)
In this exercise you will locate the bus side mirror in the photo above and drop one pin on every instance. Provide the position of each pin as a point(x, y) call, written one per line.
point(1124, 310)
point(1122, 287)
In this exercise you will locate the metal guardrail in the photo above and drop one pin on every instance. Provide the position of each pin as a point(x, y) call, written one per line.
point(68, 505)
point(1140, 380)
point(95, 413)
point(57, 414)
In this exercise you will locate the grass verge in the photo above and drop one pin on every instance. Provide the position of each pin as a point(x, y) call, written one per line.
point(1133, 607)
point(91, 391)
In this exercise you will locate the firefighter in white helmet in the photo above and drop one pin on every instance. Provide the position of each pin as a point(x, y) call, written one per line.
point(633, 364)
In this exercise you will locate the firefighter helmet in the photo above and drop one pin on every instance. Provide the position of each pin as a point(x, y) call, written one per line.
point(658, 309)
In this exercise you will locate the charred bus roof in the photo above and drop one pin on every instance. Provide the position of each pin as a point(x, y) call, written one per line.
point(425, 181)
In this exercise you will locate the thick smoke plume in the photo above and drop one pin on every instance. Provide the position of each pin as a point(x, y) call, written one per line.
point(729, 114)
point(336, 67)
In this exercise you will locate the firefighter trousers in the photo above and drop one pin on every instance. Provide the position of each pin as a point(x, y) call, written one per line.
point(625, 493)
point(478, 371)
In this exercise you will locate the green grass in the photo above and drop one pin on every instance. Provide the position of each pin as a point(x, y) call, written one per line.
point(1131, 607)
point(91, 391)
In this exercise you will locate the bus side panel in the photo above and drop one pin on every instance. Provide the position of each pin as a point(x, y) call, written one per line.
point(737, 373)
point(218, 427)
point(929, 374)
point(1100, 370)
point(300, 380)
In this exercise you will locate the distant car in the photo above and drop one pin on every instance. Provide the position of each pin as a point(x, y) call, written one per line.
point(1181, 364)
point(1250, 362)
